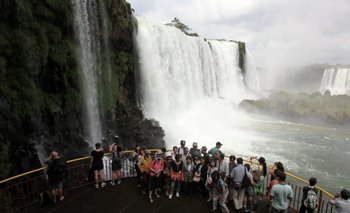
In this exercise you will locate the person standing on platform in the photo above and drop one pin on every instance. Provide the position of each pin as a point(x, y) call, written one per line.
point(116, 163)
point(97, 165)
point(56, 173)
point(281, 194)
point(341, 201)
point(180, 150)
point(213, 150)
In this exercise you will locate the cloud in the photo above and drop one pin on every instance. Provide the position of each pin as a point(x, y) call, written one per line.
point(278, 32)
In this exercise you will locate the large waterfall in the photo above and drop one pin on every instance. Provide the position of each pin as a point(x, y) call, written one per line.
point(336, 81)
point(190, 84)
point(90, 22)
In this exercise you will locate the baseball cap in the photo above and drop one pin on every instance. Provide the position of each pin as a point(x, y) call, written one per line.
point(219, 143)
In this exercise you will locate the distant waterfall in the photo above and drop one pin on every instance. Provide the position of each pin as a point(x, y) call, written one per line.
point(179, 73)
point(336, 81)
point(91, 33)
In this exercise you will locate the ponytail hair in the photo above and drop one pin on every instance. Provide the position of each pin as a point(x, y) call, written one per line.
point(263, 162)
point(264, 169)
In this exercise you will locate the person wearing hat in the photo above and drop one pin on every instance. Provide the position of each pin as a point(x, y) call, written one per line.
point(194, 150)
point(180, 150)
point(341, 201)
point(213, 150)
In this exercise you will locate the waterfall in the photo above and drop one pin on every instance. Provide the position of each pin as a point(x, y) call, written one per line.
point(91, 30)
point(336, 81)
point(184, 79)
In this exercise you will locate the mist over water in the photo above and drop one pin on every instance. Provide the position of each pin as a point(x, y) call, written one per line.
point(193, 86)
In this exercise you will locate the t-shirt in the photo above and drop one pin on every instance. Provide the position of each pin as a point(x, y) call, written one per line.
point(97, 157)
point(195, 151)
point(341, 205)
point(213, 150)
point(281, 194)
point(238, 173)
point(145, 164)
point(157, 166)
point(176, 167)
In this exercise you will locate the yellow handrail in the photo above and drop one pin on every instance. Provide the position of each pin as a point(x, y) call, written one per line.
point(154, 150)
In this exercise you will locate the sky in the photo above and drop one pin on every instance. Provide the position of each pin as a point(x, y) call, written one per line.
point(277, 32)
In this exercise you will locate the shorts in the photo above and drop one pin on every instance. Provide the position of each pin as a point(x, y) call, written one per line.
point(154, 183)
point(116, 167)
point(97, 167)
point(55, 184)
point(249, 191)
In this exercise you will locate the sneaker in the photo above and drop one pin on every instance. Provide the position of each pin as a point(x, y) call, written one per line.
point(97, 186)
point(103, 184)
point(119, 181)
point(150, 200)
point(213, 210)
point(170, 196)
point(62, 198)
point(157, 195)
point(112, 183)
point(209, 200)
point(177, 194)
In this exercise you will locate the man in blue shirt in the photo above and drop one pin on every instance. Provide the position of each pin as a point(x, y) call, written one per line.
point(215, 149)
point(281, 194)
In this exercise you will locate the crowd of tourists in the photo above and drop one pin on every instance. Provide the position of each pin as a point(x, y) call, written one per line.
point(230, 185)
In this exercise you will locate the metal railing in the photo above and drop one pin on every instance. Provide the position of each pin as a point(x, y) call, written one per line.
point(297, 184)
point(23, 190)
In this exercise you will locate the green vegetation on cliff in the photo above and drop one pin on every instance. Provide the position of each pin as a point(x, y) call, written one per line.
point(316, 107)
point(181, 26)
point(38, 72)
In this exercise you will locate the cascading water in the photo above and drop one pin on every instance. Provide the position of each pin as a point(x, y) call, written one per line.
point(191, 85)
point(336, 81)
point(90, 24)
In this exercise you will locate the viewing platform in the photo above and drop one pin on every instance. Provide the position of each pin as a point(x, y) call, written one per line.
point(22, 193)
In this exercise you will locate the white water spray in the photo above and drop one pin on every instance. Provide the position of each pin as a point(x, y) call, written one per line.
point(192, 85)
point(336, 81)
point(85, 23)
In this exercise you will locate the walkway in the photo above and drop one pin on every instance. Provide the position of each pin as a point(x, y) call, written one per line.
point(122, 198)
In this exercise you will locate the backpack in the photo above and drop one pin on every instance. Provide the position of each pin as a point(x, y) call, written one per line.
point(311, 200)
point(116, 162)
point(246, 180)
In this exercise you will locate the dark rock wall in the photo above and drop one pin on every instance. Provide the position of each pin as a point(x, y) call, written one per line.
point(40, 97)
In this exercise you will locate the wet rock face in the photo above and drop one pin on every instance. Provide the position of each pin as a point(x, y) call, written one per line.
point(40, 90)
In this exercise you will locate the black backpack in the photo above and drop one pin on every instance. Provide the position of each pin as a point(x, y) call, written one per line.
point(246, 180)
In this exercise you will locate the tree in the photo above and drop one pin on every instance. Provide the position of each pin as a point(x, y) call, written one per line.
point(181, 26)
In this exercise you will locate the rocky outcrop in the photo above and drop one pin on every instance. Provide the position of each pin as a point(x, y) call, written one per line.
point(303, 107)
point(130, 124)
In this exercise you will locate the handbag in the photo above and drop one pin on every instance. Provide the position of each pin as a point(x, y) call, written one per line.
point(246, 180)
point(197, 177)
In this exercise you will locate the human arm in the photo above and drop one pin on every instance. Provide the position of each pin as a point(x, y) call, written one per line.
point(112, 147)
point(333, 202)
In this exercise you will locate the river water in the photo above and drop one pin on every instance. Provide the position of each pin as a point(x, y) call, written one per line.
point(306, 150)
point(192, 86)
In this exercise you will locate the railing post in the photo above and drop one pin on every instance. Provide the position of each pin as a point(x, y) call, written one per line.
point(320, 199)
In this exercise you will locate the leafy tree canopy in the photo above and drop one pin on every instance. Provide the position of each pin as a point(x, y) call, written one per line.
point(181, 26)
